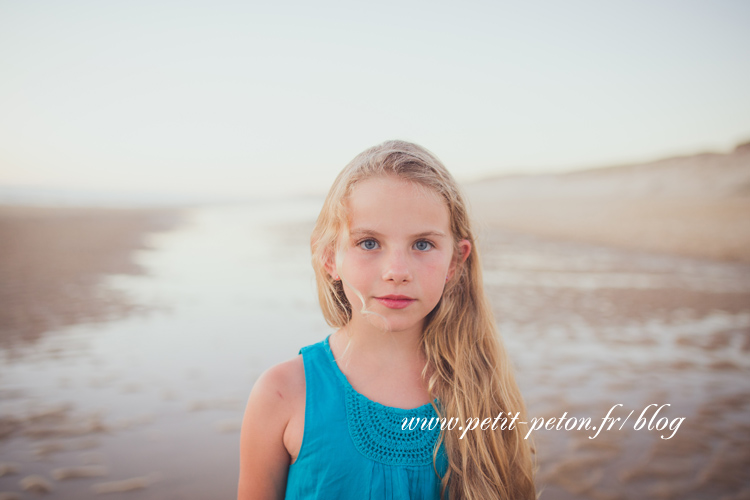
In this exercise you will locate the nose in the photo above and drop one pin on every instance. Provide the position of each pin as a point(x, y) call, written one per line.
point(396, 268)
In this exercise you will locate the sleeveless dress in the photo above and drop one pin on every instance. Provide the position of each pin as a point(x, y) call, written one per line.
point(355, 448)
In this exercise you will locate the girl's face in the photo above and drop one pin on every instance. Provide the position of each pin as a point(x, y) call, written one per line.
point(398, 254)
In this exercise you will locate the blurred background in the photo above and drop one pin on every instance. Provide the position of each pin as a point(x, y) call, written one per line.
point(162, 164)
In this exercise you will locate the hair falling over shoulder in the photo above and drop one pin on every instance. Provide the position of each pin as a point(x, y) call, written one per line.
point(468, 369)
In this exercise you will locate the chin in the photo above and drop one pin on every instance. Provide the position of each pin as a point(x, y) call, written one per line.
point(395, 325)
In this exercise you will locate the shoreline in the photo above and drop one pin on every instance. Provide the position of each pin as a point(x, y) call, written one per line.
point(52, 260)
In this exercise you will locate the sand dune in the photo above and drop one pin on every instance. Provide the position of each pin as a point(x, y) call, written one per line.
point(696, 206)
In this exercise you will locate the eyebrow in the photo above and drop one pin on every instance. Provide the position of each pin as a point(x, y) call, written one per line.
point(369, 232)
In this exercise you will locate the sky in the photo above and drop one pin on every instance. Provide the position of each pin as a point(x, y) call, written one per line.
point(265, 98)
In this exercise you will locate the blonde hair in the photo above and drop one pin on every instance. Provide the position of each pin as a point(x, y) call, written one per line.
point(467, 368)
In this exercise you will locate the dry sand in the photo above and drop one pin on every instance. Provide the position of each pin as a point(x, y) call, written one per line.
point(696, 206)
point(704, 228)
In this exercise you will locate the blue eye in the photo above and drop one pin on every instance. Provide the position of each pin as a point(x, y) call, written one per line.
point(423, 245)
point(368, 244)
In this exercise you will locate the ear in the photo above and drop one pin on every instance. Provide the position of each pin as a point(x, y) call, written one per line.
point(463, 251)
point(329, 263)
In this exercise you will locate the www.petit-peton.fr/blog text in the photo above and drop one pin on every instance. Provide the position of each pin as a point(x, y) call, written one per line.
point(645, 421)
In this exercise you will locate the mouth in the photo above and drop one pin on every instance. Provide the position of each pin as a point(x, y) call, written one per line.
point(395, 301)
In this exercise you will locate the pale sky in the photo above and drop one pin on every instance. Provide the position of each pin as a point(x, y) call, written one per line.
point(247, 98)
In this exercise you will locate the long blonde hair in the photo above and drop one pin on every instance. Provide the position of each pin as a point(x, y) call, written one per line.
point(467, 368)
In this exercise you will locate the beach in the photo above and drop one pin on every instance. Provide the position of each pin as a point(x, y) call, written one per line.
point(131, 339)
point(139, 392)
point(596, 328)
point(52, 260)
point(626, 292)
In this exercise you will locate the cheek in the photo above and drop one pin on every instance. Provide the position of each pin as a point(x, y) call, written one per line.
point(355, 267)
point(438, 264)
point(434, 273)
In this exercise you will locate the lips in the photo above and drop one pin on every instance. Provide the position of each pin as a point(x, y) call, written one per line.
point(395, 301)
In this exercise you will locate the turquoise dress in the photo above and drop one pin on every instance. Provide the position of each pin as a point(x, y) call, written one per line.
point(355, 448)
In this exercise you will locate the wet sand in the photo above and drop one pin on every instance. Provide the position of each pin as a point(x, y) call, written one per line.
point(96, 400)
point(590, 327)
point(149, 407)
point(52, 261)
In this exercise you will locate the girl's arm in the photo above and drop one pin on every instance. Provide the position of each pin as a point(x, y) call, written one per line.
point(264, 458)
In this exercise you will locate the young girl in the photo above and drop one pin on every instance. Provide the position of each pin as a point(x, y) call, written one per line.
point(398, 275)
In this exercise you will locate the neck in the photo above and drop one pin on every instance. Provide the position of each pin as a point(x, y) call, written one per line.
point(361, 339)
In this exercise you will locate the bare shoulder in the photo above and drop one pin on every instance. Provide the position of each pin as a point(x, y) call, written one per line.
point(287, 378)
point(274, 403)
point(277, 395)
point(282, 382)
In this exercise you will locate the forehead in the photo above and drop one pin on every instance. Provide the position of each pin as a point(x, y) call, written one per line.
point(398, 206)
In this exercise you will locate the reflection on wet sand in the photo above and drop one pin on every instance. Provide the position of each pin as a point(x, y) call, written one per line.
point(134, 483)
point(144, 406)
point(678, 334)
point(52, 259)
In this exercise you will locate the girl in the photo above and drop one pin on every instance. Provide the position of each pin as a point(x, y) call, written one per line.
point(398, 274)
